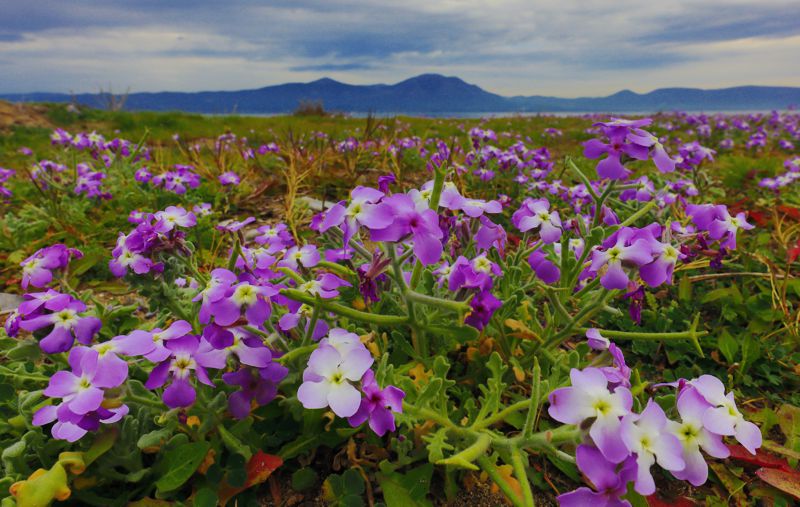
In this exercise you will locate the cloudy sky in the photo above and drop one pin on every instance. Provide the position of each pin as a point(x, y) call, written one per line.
point(513, 47)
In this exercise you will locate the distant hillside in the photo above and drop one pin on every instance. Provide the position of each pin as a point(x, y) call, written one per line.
point(433, 93)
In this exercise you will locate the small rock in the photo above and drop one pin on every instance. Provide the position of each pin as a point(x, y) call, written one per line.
point(9, 302)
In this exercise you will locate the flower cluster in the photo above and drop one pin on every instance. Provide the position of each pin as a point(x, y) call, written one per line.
point(89, 182)
point(37, 270)
point(177, 181)
point(5, 175)
point(335, 368)
point(156, 233)
point(622, 446)
point(59, 318)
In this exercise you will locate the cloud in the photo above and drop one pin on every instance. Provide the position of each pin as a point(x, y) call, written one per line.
point(547, 47)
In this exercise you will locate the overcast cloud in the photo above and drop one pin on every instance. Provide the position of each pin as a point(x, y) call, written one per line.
point(512, 47)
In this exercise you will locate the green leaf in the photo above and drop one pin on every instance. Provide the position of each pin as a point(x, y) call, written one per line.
point(728, 346)
point(205, 497)
point(789, 421)
point(304, 479)
point(154, 439)
point(179, 464)
point(234, 444)
point(409, 489)
point(353, 482)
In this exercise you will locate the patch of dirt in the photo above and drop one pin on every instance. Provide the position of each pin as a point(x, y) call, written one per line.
point(23, 115)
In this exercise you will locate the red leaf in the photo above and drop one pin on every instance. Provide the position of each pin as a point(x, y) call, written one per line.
point(786, 481)
point(794, 252)
point(759, 217)
point(654, 501)
point(261, 466)
point(761, 458)
point(792, 212)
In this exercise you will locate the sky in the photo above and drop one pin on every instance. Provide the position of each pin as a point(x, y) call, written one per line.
point(560, 48)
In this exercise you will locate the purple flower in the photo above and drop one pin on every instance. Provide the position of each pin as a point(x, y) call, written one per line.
point(623, 248)
point(151, 344)
point(536, 215)
point(609, 480)
point(482, 307)
point(248, 349)
point(490, 235)
point(414, 219)
point(377, 405)
point(660, 157)
point(82, 392)
point(235, 225)
point(545, 269)
point(251, 299)
point(275, 237)
point(202, 209)
point(694, 436)
point(619, 374)
point(363, 209)
point(595, 340)
point(37, 269)
point(327, 381)
point(308, 256)
point(589, 397)
point(178, 367)
point(385, 181)
point(325, 286)
point(173, 216)
point(718, 222)
point(665, 256)
point(82, 388)
point(256, 385)
point(724, 418)
point(67, 325)
point(646, 436)
point(124, 258)
point(617, 132)
point(229, 178)
point(143, 175)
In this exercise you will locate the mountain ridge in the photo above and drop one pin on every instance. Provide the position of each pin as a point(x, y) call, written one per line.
point(433, 93)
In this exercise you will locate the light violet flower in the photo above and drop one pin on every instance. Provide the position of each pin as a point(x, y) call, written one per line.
point(646, 436)
point(694, 436)
point(327, 381)
point(724, 418)
point(536, 215)
point(589, 397)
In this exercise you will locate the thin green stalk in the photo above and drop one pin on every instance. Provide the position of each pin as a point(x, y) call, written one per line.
point(522, 476)
point(299, 351)
point(536, 394)
point(465, 458)
point(494, 474)
point(312, 324)
point(344, 311)
point(446, 304)
point(235, 253)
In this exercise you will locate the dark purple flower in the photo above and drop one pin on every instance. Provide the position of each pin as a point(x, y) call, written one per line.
point(377, 405)
point(482, 305)
point(256, 385)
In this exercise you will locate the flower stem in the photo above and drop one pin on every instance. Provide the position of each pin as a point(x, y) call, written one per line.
point(344, 311)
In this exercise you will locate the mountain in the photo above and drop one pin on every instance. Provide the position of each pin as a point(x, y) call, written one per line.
point(433, 93)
